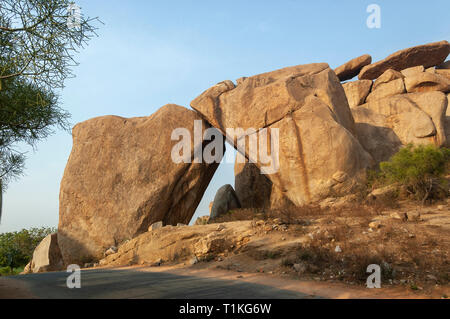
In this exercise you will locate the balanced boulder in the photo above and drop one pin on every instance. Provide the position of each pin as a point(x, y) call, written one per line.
point(352, 68)
point(307, 105)
point(121, 178)
point(427, 55)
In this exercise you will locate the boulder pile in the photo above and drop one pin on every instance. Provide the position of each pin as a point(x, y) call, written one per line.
point(120, 178)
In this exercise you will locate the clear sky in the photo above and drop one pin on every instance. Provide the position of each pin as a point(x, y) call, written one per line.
point(150, 53)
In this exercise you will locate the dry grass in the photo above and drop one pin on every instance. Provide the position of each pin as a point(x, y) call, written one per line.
point(407, 251)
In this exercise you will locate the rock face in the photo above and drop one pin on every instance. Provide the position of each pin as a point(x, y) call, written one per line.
point(224, 201)
point(426, 82)
point(352, 68)
point(181, 243)
point(357, 91)
point(384, 125)
point(120, 179)
point(46, 256)
point(308, 105)
point(252, 188)
point(391, 88)
point(388, 76)
point(427, 55)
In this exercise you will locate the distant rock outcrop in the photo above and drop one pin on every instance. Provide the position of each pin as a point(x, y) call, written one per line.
point(224, 201)
point(252, 187)
point(120, 179)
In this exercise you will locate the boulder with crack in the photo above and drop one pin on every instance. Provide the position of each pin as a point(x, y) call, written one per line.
point(308, 106)
point(120, 179)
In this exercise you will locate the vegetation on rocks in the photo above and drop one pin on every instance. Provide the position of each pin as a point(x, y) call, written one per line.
point(419, 170)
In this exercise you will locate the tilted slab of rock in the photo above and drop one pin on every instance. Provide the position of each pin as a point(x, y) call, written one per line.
point(264, 99)
point(391, 88)
point(384, 125)
point(357, 91)
point(46, 256)
point(426, 55)
point(352, 68)
point(120, 179)
point(387, 76)
point(426, 82)
point(309, 107)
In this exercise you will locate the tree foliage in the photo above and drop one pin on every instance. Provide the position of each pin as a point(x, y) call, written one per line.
point(16, 248)
point(37, 47)
point(419, 169)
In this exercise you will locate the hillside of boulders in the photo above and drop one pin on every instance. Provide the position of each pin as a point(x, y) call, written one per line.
point(123, 200)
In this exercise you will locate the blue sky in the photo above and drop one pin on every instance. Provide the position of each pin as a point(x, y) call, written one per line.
point(150, 53)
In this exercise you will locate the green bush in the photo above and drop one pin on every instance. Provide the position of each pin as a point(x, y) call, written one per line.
point(16, 248)
point(419, 169)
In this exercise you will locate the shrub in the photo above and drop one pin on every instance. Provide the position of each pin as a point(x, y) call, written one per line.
point(16, 248)
point(419, 169)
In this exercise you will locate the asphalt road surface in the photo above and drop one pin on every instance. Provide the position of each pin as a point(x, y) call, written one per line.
point(128, 283)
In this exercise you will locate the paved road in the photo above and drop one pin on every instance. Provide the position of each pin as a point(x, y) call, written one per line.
point(128, 283)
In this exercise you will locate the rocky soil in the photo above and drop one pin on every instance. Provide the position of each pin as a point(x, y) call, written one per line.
point(409, 242)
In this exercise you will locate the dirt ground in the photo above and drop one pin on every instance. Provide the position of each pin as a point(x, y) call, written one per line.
point(325, 249)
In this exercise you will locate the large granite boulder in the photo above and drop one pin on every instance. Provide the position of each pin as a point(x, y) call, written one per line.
point(224, 201)
point(384, 125)
point(120, 179)
point(318, 153)
point(427, 55)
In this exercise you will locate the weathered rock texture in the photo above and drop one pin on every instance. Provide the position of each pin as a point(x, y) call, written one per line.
point(391, 88)
point(317, 152)
point(252, 187)
point(384, 125)
point(388, 76)
point(224, 201)
point(120, 179)
point(352, 68)
point(46, 256)
point(426, 82)
point(181, 243)
point(427, 55)
point(357, 91)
